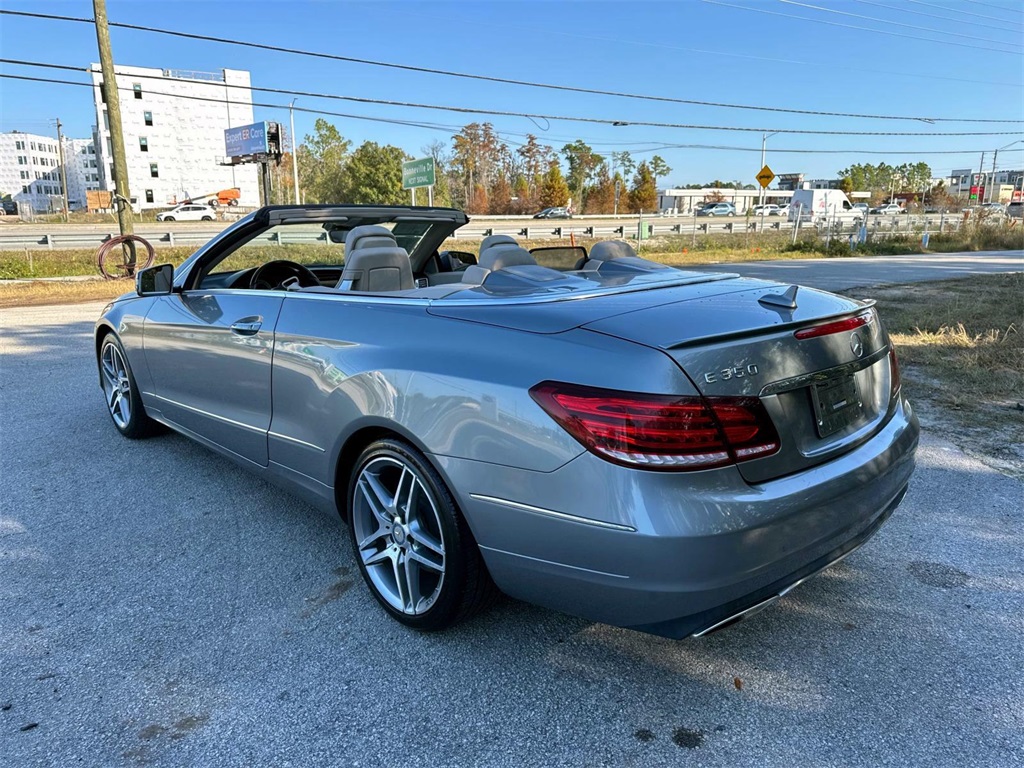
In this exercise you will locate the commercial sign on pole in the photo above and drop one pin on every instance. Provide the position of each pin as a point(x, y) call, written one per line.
point(418, 173)
point(246, 140)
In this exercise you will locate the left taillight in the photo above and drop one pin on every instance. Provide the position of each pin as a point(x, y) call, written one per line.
point(665, 432)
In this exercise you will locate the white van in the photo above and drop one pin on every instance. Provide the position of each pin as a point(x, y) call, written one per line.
point(820, 205)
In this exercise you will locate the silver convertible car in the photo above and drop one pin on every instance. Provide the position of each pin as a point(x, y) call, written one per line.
point(658, 449)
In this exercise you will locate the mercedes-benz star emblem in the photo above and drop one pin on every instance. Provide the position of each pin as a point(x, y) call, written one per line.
point(856, 345)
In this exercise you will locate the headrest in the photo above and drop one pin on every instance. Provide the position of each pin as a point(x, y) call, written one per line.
point(490, 240)
point(368, 231)
point(377, 270)
point(606, 250)
point(504, 255)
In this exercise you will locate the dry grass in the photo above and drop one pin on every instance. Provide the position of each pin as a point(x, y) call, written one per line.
point(961, 346)
point(43, 292)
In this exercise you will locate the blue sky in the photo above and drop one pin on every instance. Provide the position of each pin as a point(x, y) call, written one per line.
point(715, 51)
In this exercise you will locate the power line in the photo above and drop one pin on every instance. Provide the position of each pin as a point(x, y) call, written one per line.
point(819, 151)
point(434, 126)
point(612, 122)
point(507, 81)
point(854, 26)
point(958, 10)
point(413, 124)
point(733, 54)
point(890, 22)
point(1002, 8)
point(1001, 28)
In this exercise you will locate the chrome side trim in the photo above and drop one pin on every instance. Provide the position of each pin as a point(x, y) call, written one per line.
point(806, 379)
point(551, 513)
point(201, 412)
point(552, 562)
point(295, 440)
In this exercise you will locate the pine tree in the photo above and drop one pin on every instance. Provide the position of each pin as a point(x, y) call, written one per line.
point(643, 195)
point(554, 192)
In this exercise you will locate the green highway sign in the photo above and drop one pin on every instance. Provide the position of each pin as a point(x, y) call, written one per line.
point(418, 173)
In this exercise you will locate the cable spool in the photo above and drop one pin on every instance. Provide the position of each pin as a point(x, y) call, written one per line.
point(113, 268)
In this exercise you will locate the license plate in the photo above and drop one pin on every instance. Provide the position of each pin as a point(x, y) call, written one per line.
point(836, 404)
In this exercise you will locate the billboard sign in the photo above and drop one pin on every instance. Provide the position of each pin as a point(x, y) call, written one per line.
point(246, 140)
point(418, 173)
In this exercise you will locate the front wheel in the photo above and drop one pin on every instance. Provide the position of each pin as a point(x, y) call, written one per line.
point(207, 218)
point(413, 547)
point(168, 218)
point(121, 393)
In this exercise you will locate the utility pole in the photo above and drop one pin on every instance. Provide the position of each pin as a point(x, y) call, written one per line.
point(295, 152)
point(63, 169)
point(122, 195)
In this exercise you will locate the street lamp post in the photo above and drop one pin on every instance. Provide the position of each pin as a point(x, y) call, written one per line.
point(995, 155)
point(295, 151)
point(762, 196)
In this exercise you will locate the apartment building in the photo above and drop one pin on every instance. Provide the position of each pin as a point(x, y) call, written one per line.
point(173, 125)
point(30, 171)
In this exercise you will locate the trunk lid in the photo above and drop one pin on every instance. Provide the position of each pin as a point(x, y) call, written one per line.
point(825, 393)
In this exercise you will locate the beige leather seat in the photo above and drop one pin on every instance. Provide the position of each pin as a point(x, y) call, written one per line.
point(374, 262)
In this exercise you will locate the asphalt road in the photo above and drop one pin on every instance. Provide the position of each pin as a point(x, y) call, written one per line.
point(840, 274)
point(161, 607)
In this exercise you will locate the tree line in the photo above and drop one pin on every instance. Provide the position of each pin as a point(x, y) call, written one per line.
point(480, 173)
point(477, 172)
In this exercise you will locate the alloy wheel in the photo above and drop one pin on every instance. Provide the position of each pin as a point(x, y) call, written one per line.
point(117, 386)
point(398, 534)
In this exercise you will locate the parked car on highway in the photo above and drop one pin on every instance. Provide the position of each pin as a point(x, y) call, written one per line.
point(717, 209)
point(188, 212)
point(782, 211)
point(553, 213)
point(864, 208)
point(659, 449)
point(888, 208)
point(767, 209)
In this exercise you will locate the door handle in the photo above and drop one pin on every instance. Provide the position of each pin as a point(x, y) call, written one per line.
point(243, 328)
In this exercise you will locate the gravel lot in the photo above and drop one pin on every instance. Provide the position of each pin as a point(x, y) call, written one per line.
point(159, 606)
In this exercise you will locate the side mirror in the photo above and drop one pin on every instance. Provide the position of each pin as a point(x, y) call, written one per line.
point(559, 256)
point(154, 281)
point(466, 258)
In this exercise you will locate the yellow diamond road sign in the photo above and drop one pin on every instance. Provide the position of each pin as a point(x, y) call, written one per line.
point(765, 177)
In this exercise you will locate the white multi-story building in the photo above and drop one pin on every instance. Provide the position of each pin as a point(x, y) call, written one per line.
point(82, 170)
point(30, 170)
point(173, 123)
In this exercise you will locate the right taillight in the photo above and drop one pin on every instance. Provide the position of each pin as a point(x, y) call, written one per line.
point(665, 432)
point(894, 374)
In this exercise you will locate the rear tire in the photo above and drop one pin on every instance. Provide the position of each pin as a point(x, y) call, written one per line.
point(168, 218)
point(121, 393)
point(207, 218)
point(413, 546)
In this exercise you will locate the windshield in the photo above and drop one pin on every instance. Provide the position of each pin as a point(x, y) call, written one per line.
point(311, 243)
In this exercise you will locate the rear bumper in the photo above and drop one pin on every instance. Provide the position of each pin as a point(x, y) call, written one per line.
point(675, 554)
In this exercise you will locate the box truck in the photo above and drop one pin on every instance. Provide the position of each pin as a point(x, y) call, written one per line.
point(821, 205)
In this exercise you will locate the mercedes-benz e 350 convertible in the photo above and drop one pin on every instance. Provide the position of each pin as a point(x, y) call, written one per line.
point(658, 449)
